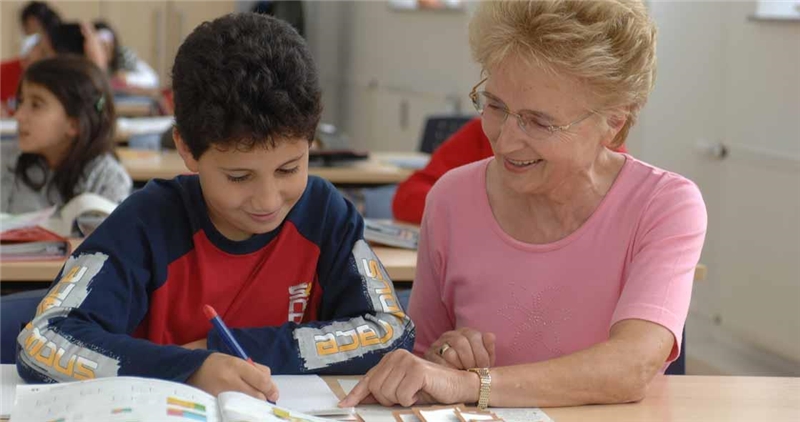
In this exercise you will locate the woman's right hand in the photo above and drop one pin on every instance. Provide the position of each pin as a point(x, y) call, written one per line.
point(221, 372)
point(405, 379)
point(463, 348)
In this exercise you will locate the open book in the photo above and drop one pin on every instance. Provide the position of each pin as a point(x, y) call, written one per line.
point(86, 211)
point(144, 399)
point(392, 234)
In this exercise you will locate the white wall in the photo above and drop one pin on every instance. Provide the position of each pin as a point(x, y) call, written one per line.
point(726, 78)
point(383, 70)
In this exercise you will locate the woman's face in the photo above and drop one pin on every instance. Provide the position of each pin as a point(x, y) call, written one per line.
point(536, 161)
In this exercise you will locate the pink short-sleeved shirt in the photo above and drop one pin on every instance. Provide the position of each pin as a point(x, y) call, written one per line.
point(634, 258)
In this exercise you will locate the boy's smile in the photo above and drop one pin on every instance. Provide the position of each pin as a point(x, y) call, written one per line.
point(250, 191)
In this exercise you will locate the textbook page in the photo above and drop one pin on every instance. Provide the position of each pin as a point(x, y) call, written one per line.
point(28, 219)
point(113, 399)
point(308, 394)
point(239, 407)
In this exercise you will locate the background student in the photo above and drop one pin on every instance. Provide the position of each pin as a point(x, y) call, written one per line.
point(127, 70)
point(65, 118)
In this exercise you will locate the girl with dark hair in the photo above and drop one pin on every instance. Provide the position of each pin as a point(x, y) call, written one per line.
point(66, 119)
point(127, 70)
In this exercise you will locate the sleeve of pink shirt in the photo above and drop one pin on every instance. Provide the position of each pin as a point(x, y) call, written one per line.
point(666, 250)
point(426, 306)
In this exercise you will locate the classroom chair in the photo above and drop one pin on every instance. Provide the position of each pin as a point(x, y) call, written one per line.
point(16, 310)
point(438, 128)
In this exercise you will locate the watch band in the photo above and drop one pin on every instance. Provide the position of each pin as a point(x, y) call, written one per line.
point(486, 386)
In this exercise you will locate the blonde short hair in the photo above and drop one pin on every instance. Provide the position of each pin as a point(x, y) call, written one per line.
point(608, 44)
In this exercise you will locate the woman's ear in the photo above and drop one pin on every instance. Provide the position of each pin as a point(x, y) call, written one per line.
point(615, 121)
point(183, 149)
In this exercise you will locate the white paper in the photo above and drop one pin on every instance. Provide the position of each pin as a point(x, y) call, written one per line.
point(240, 407)
point(307, 394)
point(347, 385)
point(9, 380)
point(522, 415)
point(440, 415)
point(28, 219)
point(144, 125)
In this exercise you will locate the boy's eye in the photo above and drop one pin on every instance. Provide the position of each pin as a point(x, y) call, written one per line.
point(289, 171)
point(237, 179)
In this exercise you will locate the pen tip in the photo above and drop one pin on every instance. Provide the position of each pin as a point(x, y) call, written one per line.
point(209, 311)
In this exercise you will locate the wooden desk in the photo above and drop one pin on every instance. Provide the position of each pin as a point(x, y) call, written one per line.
point(134, 108)
point(681, 398)
point(399, 263)
point(144, 165)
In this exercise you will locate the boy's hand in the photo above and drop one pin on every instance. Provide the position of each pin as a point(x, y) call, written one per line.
point(221, 372)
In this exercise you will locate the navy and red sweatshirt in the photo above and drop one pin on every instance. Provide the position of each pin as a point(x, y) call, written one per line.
point(308, 297)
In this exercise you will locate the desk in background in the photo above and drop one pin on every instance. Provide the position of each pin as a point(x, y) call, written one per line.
point(143, 165)
point(135, 106)
point(400, 264)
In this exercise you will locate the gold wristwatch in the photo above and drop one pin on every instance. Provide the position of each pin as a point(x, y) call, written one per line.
point(486, 386)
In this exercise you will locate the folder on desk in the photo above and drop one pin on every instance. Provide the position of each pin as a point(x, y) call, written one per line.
point(32, 243)
point(391, 234)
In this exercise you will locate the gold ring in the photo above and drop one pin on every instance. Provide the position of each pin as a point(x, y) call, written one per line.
point(443, 349)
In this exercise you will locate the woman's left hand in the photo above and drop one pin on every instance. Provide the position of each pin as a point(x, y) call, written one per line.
point(463, 348)
point(404, 379)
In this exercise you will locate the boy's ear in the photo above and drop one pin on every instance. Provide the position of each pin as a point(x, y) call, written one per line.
point(183, 150)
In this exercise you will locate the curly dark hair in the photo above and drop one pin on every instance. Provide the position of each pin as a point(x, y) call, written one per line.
point(243, 80)
point(84, 92)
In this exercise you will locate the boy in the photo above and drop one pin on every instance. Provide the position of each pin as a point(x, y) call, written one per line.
point(278, 254)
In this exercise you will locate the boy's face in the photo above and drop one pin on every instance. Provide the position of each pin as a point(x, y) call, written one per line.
point(250, 192)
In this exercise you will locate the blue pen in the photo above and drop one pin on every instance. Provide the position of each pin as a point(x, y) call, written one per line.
point(226, 335)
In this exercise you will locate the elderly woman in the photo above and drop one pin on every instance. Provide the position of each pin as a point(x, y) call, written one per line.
point(557, 272)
